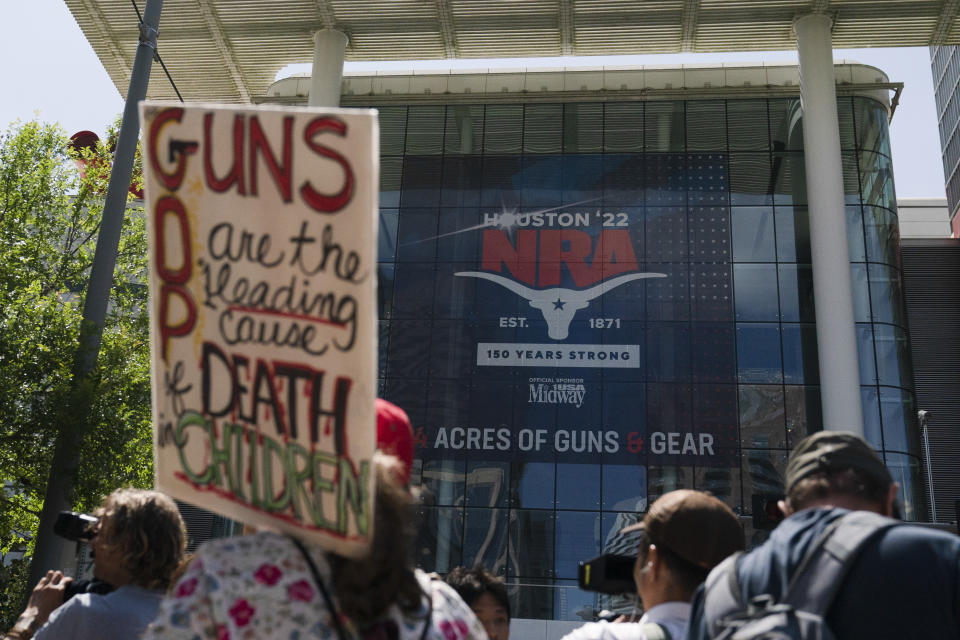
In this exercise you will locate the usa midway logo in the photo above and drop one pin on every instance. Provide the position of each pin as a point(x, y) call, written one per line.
point(570, 391)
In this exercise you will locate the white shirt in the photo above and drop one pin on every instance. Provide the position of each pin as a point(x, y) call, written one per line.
point(673, 616)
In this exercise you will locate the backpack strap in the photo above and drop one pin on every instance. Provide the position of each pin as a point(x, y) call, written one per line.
point(655, 631)
point(817, 580)
point(337, 625)
point(722, 596)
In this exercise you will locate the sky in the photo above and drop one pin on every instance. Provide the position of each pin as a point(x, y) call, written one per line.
point(50, 72)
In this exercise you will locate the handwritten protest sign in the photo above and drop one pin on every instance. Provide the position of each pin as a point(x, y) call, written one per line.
point(262, 223)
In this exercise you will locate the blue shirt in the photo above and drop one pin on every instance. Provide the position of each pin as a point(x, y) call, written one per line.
point(905, 583)
point(119, 615)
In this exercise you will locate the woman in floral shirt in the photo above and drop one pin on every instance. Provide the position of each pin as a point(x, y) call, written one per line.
point(261, 586)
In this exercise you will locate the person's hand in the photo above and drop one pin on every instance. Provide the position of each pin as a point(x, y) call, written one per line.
point(48, 595)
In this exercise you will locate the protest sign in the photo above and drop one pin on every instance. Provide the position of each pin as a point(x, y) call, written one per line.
point(262, 228)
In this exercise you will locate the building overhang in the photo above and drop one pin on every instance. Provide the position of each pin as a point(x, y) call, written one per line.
point(231, 50)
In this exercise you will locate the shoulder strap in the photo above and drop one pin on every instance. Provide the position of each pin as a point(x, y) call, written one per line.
point(816, 582)
point(323, 589)
point(655, 631)
point(722, 596)
point(429, 617)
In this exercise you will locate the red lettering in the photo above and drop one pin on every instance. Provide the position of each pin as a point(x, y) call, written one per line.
point(569, 247)
point(170, 180)
point(280, 171)
point(168, 330)
point(173, 278)
point(614, 254)
point(521, 261)
point(236, 171)
point(316, 200)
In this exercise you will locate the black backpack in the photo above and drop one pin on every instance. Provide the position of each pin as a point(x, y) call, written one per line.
point(801, 611)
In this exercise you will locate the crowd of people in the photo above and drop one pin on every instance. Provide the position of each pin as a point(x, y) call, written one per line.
point(838, 563)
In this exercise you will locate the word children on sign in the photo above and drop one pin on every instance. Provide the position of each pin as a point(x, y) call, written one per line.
point(262, 224)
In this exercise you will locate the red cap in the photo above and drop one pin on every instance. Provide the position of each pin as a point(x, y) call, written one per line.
point(395, 435)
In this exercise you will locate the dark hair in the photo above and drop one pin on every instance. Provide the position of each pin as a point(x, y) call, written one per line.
point(471, 584)
point(146, 528)
point(686, 575)
point(836, 482)
point(366, 587)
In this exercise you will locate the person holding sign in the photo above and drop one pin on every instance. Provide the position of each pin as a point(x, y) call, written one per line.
point(269, 585)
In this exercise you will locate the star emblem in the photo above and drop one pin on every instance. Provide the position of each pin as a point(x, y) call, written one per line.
point(559, 303)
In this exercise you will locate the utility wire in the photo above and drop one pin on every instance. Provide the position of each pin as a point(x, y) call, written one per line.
point(156, 54)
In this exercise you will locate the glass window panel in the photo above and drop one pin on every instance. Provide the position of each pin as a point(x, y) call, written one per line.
point(464, 129)
point(413, 290)
point(542, 178)
point(666, 179)
point(501, 182)
point(542, 131)
point(893, 356)
point(623, 179)
point(855, 234)
point(453, 245)
point(663, 479)
point(583, 127)
point(865, 353)
point(747, 125)
point(793, 234)
point(706, 125)
point(872, 429)
point(758, 353)
point(387, 235)
point(710, 286)
point(668, 298)
point(485, 539)
point(443, 482)
point(804, 414)
point(666, 234)
point(786, 126)
point(503, 128)
point(663, 126)
point(668, 351)
point(861, 292)
point(883, 235)
point(487, 483)
point(898, 410)
point(722, 482)
point(800, 361)
point(417, 235)
point(906, 471)
point(532, 484)
point(531, 543)
point(669, 408)
point(460, 186)
point(707, 180)
point(623, 126)
point(409, 355)
point(578, 486)
point(796, 293)
point(789, 179)
point(425, 130)
point(762, 418)
point(573, 603)
point(439, 537)
point(876, 180)
point(851, 178)
point(531, 600)
point(582, 181)
point(755, 288)
point(750, 179)
point(871, 121)
point(393, 124)
point(763, 472)
point(886, 295)
point(709, 234)
point(383, 339)
point(578, 539)
point(753, 234)
point(391, 171)
point(624, 487)
point(385, 290)
point(845, 117)
point(421, 181)
point(714, 353)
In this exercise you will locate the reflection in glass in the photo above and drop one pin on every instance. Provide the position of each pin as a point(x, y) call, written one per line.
point(800, 359)
point(750, 179)
point(578, 485)
point(393, 124)
point(906, 471)
point(793, 234)
point(886, 295)
point(531, 484)
point(747, 123)
point(503, 128)
point(755, 288)
point(855, 243)
point(443, 482)
point(531, 543)
point(623, 126)
point(804, 414)
point(872, 121)
point(861, 292)
point(487, 483)
point(758, 353)
point(572, 603)
point(663, 479)
point(421, 181)
point(583, 127)
point(438, 545)
point(424, 136)
point(485, 539)
point(893, 356)
point(883, 236)
point(663, 126)
point(578, 539)
point(721, 482)
point(762, 423)
point(865, 353)
point(796, 293)
point(872, 429)
point(788, 176)
point(876, 180)
point(706, 125)
point(624, 487)
point(753, 234)
point(464, 129)
point(786, 130)
point(763, 473)
point(898, 411)
point(540, 131)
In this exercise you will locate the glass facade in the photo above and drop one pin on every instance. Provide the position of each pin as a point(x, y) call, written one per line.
point(945, 66)
point(585, 305)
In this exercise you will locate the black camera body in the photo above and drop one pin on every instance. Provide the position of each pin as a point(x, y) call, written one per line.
point(610, 573)
point(75, 526)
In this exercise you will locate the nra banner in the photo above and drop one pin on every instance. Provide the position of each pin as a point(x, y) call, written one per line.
point(262, 224)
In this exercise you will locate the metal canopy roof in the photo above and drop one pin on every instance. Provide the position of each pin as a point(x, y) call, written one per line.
point(231, 50)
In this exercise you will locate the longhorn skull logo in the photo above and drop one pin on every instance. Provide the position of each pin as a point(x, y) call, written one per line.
point(558, 305)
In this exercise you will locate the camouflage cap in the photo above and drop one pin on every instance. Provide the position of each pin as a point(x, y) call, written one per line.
point(834, 451)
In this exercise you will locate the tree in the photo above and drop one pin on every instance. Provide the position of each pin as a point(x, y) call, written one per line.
point(49, 215)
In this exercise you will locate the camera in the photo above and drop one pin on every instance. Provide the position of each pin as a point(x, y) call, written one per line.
point(75, 526)
point(609, 573)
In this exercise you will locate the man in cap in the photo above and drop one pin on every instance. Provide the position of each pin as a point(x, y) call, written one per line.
point(683, 536)
point(904, 581)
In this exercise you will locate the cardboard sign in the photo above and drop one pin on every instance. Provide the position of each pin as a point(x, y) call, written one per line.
point(262, 228)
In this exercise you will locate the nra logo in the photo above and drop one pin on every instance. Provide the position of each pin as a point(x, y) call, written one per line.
point(532, 269)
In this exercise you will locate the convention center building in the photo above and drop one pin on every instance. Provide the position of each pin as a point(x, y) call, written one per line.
point(595, 287)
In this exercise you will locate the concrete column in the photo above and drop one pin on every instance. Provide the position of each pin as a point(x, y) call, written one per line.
point(329, 47)
point(836, 335)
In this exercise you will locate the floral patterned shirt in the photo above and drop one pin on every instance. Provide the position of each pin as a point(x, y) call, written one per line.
point(260, 586)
